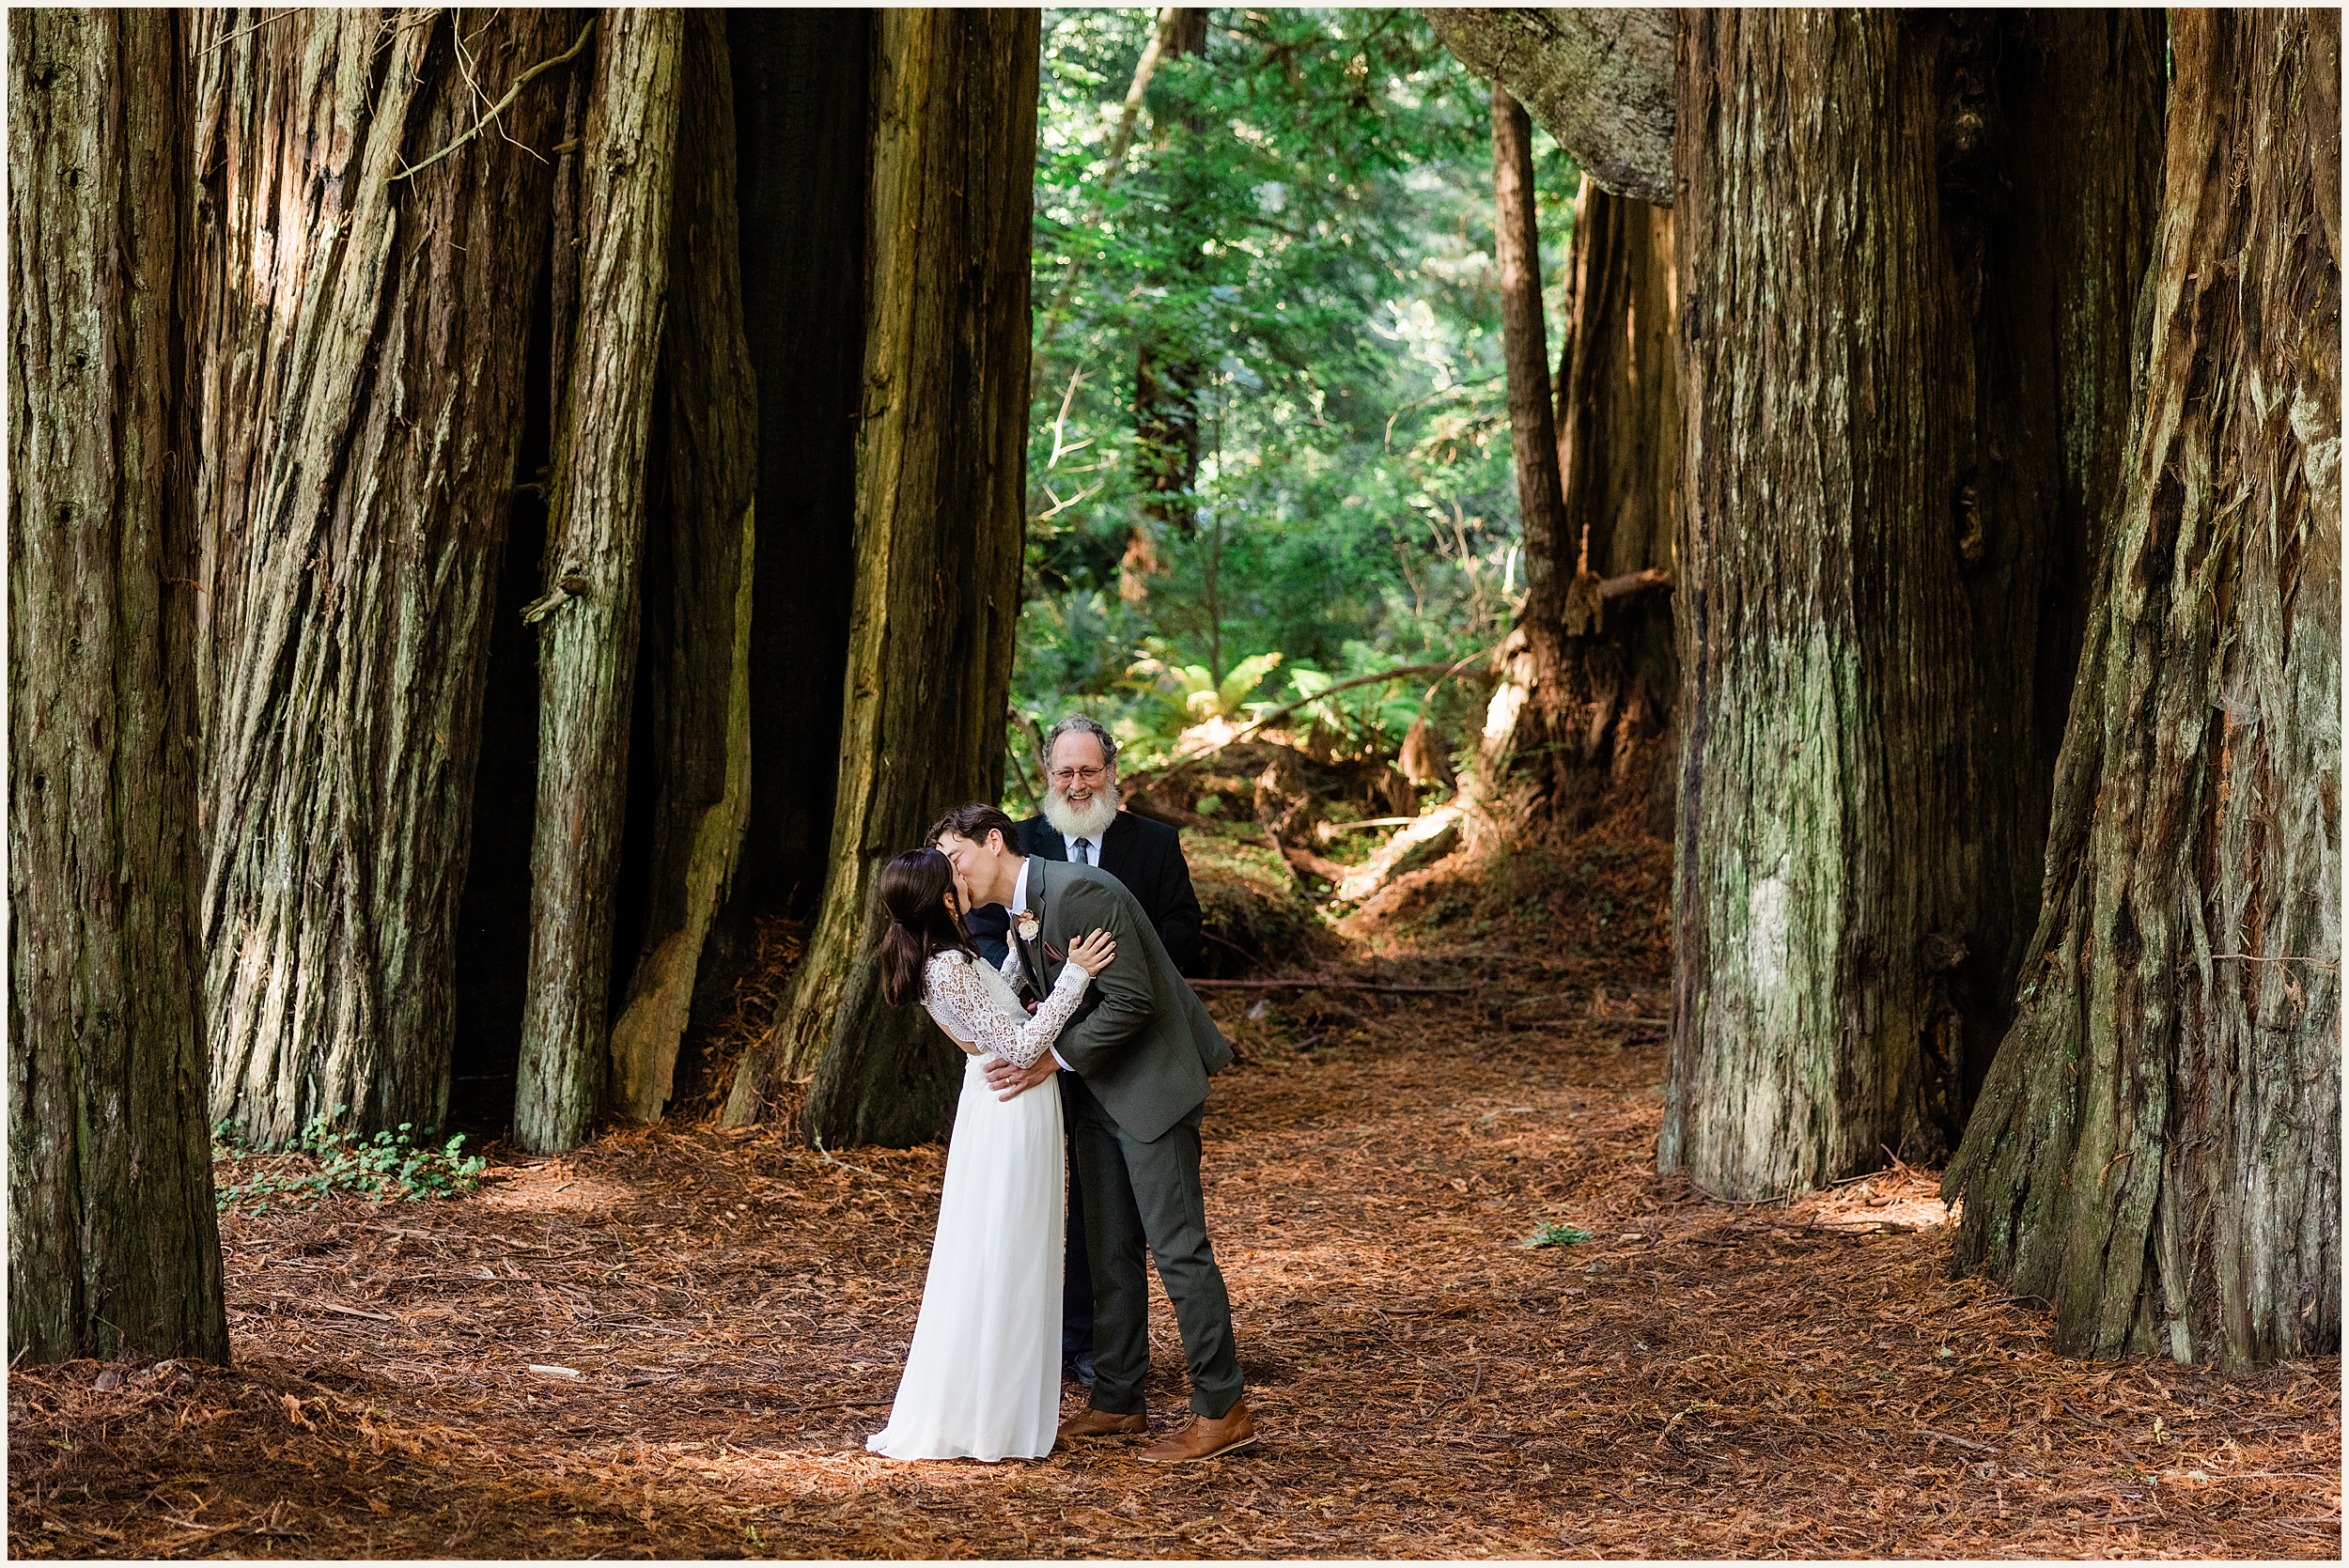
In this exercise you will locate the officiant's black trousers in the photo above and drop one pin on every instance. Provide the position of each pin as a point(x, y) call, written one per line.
point(1145, 1196)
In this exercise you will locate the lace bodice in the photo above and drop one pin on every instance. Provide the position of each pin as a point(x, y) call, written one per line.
point(976, 1007)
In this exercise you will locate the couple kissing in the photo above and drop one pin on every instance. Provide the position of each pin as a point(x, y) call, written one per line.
point(981, 1380)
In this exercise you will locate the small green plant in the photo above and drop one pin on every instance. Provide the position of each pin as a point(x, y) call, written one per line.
point(1555, 1234)
point(405, 1165)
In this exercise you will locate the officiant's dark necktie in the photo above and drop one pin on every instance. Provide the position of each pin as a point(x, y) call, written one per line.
point(1084, 846)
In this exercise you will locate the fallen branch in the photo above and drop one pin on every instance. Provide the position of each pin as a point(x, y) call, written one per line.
point(1444, 673)
point(500, 107)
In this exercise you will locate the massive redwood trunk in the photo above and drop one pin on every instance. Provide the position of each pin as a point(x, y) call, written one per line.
point(939, 528)
point(2158, 1150)
point(697, 580)
point(588, 613)
point(361, 312)
point(800, 89)
point(1904, 242)
point(113, 1246)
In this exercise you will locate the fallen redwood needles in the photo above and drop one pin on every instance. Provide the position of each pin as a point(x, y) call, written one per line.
point(1693, 1379)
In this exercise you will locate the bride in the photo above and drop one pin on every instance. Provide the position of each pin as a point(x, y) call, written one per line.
point(983, 1378)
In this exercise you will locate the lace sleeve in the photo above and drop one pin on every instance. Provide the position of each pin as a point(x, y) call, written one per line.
point(1010, 968)
point(959, 1003)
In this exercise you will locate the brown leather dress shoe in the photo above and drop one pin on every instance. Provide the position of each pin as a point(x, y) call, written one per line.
point(1203, 1439)
point(1097, 1424)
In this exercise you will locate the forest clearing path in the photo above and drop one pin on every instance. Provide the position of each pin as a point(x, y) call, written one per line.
point(1696, 1380)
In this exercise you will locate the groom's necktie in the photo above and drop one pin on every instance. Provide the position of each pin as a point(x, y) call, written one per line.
point(1084, 846)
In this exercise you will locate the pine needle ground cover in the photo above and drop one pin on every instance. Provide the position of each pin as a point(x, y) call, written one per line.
point(673, 1342)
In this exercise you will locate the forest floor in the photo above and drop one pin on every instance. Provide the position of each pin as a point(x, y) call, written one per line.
point(673, 1342)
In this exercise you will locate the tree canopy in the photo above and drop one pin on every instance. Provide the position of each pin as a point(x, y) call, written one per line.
point(1303, 211)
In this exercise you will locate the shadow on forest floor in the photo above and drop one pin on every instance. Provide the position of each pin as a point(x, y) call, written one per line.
point(673, 1342)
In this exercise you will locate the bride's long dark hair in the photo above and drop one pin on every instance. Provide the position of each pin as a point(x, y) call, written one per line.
point(913, 888)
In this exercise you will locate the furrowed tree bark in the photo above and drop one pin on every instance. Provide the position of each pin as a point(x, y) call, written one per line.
point(1619, 423)
point(359, 400)
point(1600, 81)
point(1876, 274)
point(2158, 1150)
point(113, 1246)
point(939, 532)
point(588, 616)
point(801, 102)
point(698, 578)
point(1590, 677)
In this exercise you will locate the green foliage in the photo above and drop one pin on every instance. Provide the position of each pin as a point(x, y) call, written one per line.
point(1555, 1234)
point(403, 1165)
point(1303, 219)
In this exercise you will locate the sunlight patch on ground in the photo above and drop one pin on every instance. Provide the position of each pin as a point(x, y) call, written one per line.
point(555, 1188)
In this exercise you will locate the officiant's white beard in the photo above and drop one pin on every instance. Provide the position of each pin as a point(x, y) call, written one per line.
point(1090, 820)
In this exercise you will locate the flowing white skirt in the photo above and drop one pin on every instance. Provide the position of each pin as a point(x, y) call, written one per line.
point(983, 1378)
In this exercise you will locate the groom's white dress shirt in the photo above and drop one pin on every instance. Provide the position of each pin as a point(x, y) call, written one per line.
point(1019, 907)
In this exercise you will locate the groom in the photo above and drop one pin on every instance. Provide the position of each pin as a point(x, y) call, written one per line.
point(1142, 1048)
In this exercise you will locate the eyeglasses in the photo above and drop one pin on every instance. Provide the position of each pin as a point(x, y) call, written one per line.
point(1066, 776)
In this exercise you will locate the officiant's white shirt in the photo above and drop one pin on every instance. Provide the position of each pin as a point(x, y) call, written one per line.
point(1019, 907)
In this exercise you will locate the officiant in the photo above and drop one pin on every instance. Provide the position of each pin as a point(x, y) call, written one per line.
point(1082, 822)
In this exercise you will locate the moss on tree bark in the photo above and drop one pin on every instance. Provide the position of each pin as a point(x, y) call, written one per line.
point(1902, 356)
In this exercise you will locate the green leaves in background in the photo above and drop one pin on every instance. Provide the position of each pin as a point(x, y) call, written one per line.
point(1301, 224)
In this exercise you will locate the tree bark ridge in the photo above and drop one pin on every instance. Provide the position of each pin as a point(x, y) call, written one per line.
point(114, 1248)
point(2157, 1148)
point(359, 393)
point(941, 519)
point(594, 547)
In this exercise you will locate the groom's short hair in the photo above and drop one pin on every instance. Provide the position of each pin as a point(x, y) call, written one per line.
point(975, 822)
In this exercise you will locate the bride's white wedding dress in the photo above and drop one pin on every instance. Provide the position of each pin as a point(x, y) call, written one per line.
point(983, 1378)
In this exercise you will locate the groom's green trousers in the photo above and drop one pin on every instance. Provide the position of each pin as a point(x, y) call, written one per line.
point(1141, 1195)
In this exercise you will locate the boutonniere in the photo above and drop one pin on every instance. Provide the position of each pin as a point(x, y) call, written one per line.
point(1028, 927)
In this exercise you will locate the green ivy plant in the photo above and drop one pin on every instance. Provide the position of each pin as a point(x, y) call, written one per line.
point(404, 1165)
point(1555, 1234)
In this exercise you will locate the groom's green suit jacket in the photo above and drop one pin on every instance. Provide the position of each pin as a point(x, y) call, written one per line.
point(1142, 1040)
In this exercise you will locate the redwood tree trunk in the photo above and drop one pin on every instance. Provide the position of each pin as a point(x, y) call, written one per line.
point(938, 536)
point(698, 576)
point(113, 1246)
point(1873, 268)
point(359, 404)
point(595, 545)
point(1533, 430)
point(1593, 721)
point(1526, 709)
point(2158, 1150)
point(800, 101)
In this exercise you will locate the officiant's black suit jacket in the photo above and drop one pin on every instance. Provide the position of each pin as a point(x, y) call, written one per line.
point(1145, 855)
